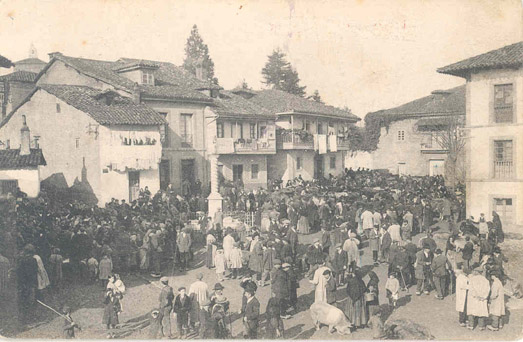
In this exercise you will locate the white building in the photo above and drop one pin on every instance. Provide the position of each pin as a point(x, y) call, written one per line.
point(105, 142)
point(494, 121)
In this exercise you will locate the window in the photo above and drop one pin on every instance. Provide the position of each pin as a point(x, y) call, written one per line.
point(147, 77)
point(8, 186)
point(503, 163)
point(332, 162)
point(299, 164)
point(240, 125)
point(263, 132)
point(320, 128)
point(505, 207)
point(164, 131)
point(219, 130)
point(237, 173)
point(186, 129)
point(401, 135)
point(503, 103)
point(58, 108)
point(253, 131)
point(254, 171)
point(307, 126)
point(77, 142)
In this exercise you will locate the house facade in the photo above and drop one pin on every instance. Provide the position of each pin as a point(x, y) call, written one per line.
point(179, 97)
point(409, 135)
point(311, 137)
point(103, 143)
point(494, 117)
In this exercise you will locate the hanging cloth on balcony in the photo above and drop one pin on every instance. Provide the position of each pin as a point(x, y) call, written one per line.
point(322, 143)
point(333, 146)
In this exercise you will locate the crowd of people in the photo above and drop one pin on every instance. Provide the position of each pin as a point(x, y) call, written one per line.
point(359, 211)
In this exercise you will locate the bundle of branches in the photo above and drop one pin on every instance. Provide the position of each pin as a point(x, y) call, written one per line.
point(404, 329)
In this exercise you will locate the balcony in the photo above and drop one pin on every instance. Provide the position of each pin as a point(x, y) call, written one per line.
point(245, 146)
point(434, 148)
point(503, 169)
point(343, 144)
point(294, 140)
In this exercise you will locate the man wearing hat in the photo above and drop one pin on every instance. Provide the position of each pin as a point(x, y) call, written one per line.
point(440, 266)
point(166, 305)
point(339, 264)
point(280, 287)
point(292, 236)
point(184, 246)
point(251, 313)
point(182, 306)
point(314, 256)
point(422, 270)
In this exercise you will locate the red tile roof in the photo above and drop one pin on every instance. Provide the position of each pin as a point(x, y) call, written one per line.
point(171, 82)
point(278, 101)
point(510, 56)
point(11, 159)
point(439, 102)
point(229, 104)
point(121, 111)
point(20, 76)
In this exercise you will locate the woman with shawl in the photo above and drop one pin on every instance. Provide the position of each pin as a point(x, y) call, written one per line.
point(211, 250)
point(303, 221)
point(373, 289)
point(42, 277)
point(355, 308)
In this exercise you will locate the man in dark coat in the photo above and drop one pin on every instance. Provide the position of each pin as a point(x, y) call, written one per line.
point(325, 240)
point(400, 263)
point(26, 272)
point(251, 314)
point(467, 252)
point(386, 241)
point(292, 236)
point(339, 264)
point(166, 304)
point(280, 287)
point(439, 267)
point(293, 285)
point(423, 271)
point(411, 250)
point(182, 306)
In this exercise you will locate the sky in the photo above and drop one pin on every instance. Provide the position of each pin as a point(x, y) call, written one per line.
point(366, 55)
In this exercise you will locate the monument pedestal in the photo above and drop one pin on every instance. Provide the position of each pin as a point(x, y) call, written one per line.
point(215, 202)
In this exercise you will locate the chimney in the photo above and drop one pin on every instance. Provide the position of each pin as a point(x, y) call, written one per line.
point(136, 93)
point(25, 139)
point(54, 54)
point(198, 66)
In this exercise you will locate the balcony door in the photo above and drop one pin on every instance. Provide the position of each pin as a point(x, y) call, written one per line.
point(318, 167)
point(237, 173)
point(186, 131)
point(134, 185)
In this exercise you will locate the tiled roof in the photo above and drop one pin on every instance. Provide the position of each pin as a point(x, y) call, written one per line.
point(121, 111)
point(277, 101)
point(30, 61)
point(451, 101)
point(21, 76)
point(183, 85)
point(11, 159)
point(229, 104)
point(510, 56)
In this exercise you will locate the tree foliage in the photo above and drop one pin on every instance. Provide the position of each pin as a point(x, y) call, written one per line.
point(197, 53)
point(279, 74)
point(5, 62)
point(316, 96)
point(451, 137)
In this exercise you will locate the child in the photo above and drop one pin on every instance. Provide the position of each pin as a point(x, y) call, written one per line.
point(110, 317)
point(274, 322)
point(219, 263)
point(182, 306)
point(156, 322)
point(69, 324)
point(393, 289)
point(92, 267)
point(236, 260)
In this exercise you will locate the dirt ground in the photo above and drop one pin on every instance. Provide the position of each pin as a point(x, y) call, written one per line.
point(438, 316)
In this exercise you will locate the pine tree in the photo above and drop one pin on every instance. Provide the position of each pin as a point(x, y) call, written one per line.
point(196, 52)
point(279, 74)
point(316, 96)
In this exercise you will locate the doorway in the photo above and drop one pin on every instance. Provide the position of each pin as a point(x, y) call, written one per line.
point(436, 167)
point(505, 209)
point(318, 167)
point(165, 174)
point(402, 169)
point(237, 173)
point(134, 185)
point(188, 171)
